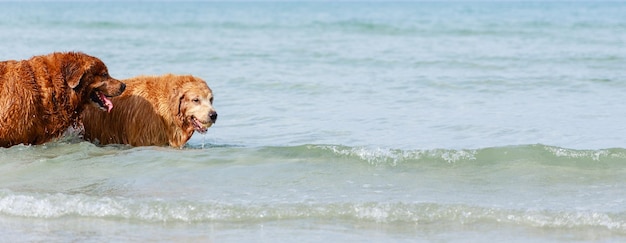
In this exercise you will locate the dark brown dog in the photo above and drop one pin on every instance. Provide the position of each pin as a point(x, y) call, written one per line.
point(154, 110)
point(41, 97)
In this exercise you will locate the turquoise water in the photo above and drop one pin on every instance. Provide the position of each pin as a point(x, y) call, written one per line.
point(359, 121)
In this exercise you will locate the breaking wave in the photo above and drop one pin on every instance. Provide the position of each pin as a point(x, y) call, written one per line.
point(393, 157)
point(44, 205)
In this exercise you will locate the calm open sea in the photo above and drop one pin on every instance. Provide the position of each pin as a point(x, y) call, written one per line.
point(339, 122)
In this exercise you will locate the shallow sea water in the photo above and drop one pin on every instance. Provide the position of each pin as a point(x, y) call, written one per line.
point(359, 121)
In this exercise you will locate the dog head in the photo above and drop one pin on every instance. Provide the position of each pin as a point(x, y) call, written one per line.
point(89, 77)
point(192, 102)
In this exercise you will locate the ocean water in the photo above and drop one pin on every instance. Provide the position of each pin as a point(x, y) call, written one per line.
point(341, 122)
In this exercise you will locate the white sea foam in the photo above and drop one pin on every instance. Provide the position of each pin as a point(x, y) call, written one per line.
point(392, 157)
point(42, 205)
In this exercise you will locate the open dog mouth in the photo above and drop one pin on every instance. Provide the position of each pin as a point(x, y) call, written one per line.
point(102, 100)
point(200, 126)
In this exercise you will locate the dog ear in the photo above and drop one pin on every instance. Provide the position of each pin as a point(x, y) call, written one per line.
point(176, 100)
point(72, 73)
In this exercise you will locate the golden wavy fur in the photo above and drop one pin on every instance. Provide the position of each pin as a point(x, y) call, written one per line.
point(43, 96)
point(154, 110)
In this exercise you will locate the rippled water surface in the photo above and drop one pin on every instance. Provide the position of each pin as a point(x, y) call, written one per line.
point(358, 121)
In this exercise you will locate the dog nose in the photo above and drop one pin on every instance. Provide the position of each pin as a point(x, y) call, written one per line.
point(213, 116)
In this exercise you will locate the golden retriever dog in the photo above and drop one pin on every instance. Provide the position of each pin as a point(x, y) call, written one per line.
point(154, 110)
point(40, 98)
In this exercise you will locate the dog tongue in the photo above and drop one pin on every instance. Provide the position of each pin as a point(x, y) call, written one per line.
point(106, 101)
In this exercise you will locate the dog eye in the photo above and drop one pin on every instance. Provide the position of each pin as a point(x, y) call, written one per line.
point(211, 100)
point(105, 75)
point(196, 100)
